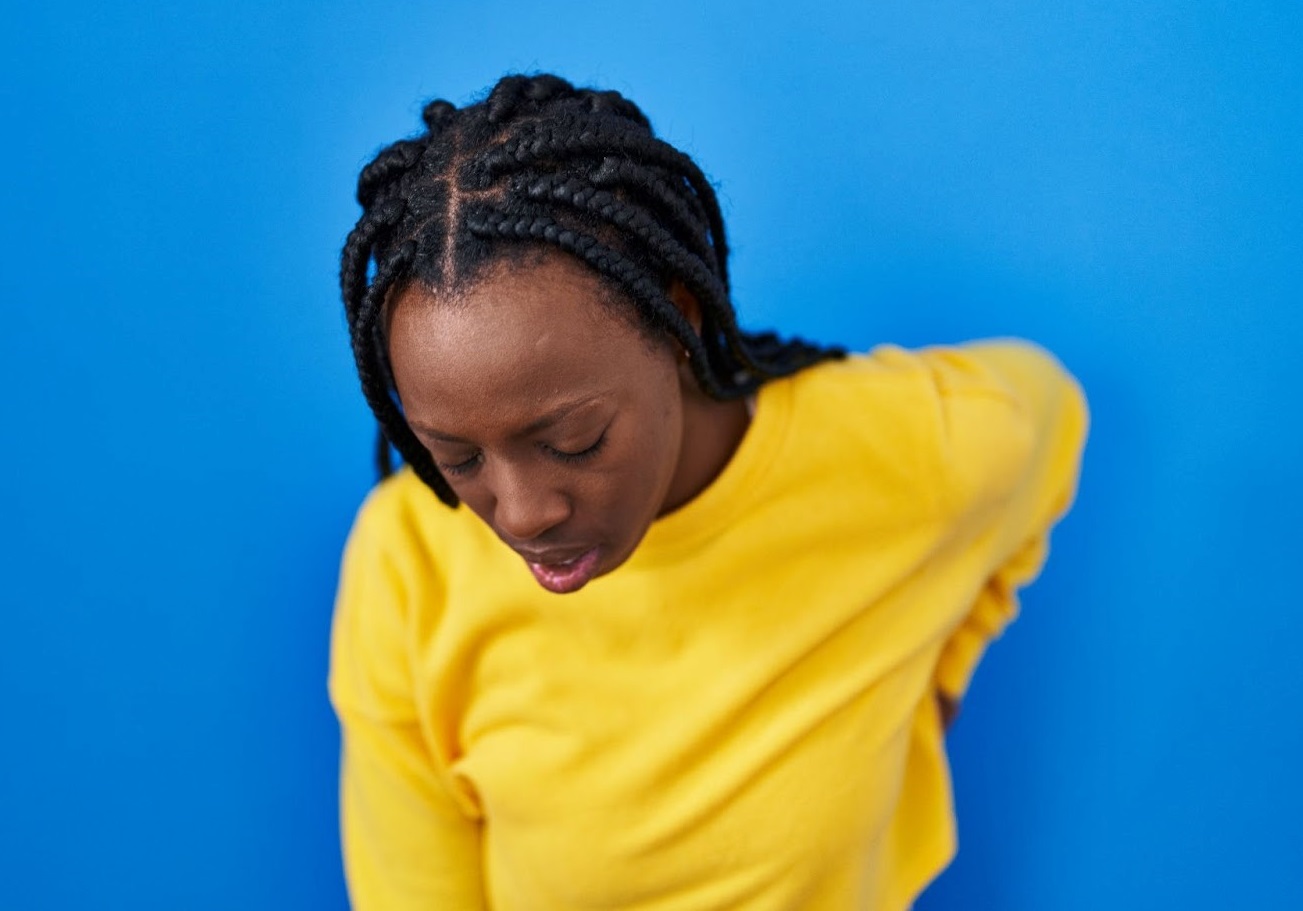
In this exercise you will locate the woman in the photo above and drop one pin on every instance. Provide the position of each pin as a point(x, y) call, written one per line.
point(683, 631)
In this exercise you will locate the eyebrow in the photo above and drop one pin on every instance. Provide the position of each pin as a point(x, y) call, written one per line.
point(542, 422)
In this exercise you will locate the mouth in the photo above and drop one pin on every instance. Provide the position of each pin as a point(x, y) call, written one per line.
point(562, 577)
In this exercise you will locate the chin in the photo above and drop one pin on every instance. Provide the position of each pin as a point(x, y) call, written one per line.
point(607, 563)
point(610, 563)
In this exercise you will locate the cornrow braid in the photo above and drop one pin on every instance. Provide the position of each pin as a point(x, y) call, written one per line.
point(541, 163)
point(579, 139)
point(377, 382)
point(576, 192)
point(391, 164)
point(653, 188)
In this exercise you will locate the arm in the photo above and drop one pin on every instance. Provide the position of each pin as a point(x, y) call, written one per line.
point(410, 840)
point(1015, 425)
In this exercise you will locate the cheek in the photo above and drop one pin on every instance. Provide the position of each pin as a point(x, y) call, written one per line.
point(658, 450)
point(671, 422)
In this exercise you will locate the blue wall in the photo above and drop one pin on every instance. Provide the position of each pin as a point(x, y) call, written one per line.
point(184, 442)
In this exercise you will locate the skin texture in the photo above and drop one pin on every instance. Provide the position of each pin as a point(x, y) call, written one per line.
point(554, 417)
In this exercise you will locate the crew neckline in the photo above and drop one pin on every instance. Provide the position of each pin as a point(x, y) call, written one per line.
point(709, 512)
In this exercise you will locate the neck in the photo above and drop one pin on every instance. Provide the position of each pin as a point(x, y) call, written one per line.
point(712, 432)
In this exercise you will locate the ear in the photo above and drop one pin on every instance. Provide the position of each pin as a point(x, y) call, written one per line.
point(687, 304)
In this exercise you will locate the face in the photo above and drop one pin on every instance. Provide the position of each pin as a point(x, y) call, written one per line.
point(554, 419)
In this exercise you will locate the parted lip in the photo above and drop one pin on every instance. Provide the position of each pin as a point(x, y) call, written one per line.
point(552, 557)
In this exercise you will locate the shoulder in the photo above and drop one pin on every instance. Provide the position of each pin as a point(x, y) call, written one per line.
point(398, 500)
point(867, 394)
point(1013, 424)
point(868, 423)
point(965, 420)
point(1020, 374)
point(1006, 399)
point(400, 530)
point(1009, 370)
point(391, 589)
point(1006, 380)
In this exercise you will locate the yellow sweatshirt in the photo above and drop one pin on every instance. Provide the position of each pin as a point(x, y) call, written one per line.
point(743, 715)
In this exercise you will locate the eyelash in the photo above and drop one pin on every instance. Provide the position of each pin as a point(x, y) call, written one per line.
point(581, 455)
point(469, 465)
point(461, 468)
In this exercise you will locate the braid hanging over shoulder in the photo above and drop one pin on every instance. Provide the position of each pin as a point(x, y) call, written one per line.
point(541, 163)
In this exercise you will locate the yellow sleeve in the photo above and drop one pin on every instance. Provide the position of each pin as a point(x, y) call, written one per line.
point(1015, 424)
point(407, 842)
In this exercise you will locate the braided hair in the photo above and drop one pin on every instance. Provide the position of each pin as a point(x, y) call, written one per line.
point(539, 163)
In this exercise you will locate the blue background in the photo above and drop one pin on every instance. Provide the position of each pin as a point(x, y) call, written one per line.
point(184, 441)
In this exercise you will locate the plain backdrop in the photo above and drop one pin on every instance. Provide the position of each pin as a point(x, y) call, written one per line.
point(185, 443)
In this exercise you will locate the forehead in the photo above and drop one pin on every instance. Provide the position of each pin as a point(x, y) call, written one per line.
point(523, 336)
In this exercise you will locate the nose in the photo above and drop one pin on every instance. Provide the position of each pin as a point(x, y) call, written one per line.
point(526, 506)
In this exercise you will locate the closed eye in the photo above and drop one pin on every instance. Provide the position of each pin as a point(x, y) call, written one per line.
point(580, 456)
point(463, 467)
